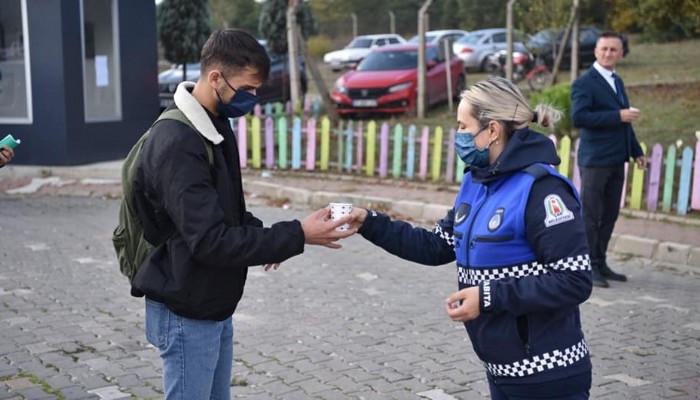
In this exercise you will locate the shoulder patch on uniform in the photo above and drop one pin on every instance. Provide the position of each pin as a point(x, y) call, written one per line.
point(556, 211)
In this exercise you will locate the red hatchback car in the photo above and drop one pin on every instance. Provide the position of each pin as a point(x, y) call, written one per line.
point(386, 81)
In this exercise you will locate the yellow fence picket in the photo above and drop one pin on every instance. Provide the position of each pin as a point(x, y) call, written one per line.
point(325, 143)
point(565, 155)
point(436, 158)
point(637, 184)
point(371, 147)
point(256, 148)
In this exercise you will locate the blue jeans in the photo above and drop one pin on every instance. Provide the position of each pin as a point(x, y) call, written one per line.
point(197, 354)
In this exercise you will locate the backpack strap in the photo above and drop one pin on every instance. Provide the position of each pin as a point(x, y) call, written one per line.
point(178, 115)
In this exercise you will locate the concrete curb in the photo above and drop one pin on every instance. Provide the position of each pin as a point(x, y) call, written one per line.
point(424, 213)
point(669, 252)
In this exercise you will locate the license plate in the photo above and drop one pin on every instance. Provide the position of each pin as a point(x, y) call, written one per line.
point(364, 103)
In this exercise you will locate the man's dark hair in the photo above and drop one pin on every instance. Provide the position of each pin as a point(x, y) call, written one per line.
point(233, 50)
point(610, 34)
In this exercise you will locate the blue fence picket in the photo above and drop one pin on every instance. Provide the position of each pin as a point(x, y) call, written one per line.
point(349, 133)
point(684, 187)
point(296, 143)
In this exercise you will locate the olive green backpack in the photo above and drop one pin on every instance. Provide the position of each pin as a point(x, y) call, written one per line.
point(129, 243)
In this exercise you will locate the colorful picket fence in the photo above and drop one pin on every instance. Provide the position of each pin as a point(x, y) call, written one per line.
point(276, 138)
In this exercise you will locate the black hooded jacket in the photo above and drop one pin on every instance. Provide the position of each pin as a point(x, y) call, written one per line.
point(199, 272)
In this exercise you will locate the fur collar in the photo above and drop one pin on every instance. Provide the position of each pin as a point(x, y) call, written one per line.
point(194, 111)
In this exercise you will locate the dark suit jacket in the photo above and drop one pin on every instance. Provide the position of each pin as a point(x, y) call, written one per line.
point(595, 110)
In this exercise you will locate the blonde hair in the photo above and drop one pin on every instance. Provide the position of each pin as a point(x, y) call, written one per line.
point(498, 99)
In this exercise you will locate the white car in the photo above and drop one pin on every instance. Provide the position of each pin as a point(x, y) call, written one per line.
point(354, 52)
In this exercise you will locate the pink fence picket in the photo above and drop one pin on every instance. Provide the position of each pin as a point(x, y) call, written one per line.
point(384, 150)
point(269, 143)
point(423, 161)
point(310, 144)
point(654, 182)
point(695, 196)
point(360, 153)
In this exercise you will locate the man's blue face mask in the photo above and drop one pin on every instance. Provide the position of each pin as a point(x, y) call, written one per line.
point(241, 103)
point(468, 152)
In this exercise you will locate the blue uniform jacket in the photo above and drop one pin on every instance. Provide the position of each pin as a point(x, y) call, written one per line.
point(520, 237)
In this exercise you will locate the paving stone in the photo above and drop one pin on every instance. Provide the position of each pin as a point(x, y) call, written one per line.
point(313, 329)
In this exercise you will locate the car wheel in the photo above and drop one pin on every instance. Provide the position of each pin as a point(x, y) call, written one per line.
point(490, 64)
point(539, 80)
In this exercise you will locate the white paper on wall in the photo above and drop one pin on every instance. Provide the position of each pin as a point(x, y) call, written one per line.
point(101, 71)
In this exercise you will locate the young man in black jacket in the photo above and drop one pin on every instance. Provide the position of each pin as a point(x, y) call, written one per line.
point(194, 280)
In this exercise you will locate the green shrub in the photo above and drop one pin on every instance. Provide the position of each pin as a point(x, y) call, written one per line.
point(558, 96)
point(318, 45)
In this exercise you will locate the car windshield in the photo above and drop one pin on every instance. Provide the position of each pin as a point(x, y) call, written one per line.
point(471, 38)
point(389, 60)
point(360, 44)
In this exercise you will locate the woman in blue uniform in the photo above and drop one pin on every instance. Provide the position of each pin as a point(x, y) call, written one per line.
point(519, 241)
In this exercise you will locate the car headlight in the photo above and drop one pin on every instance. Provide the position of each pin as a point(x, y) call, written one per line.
point(340, 88)
point(400, 87)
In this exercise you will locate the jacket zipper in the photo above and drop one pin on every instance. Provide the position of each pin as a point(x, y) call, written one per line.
point(524, 332)
point(493, 239)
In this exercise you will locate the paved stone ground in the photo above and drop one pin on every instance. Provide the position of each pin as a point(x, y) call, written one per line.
point(354, 323)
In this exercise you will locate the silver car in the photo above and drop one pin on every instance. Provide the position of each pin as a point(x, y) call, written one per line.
point(475, 47)
point(443, 35)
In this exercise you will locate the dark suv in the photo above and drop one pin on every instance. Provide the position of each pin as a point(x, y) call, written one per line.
point(545, 44)
point(275, 89)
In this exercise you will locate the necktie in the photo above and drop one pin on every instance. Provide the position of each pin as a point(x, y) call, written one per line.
point(618, 88)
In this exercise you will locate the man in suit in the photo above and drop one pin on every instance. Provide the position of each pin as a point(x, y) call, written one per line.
point(601, 111)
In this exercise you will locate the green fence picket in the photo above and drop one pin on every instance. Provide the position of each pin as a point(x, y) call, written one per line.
point(398, 151)
point(668, 178)
point(459, 175)
point(282, 142)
